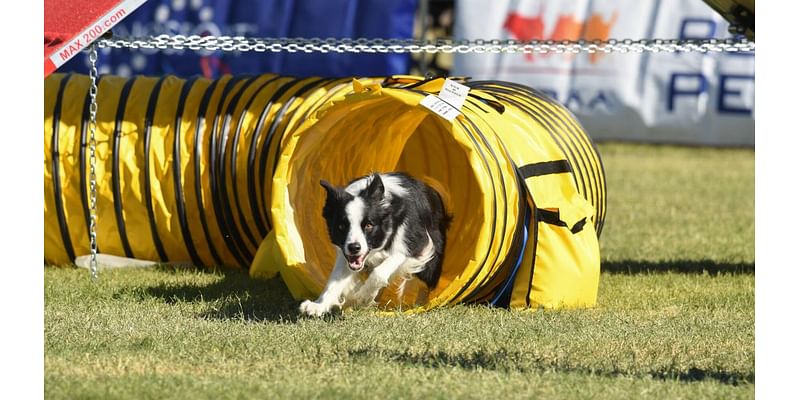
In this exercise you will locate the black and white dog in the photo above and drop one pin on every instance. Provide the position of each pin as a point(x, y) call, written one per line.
point(387, 225)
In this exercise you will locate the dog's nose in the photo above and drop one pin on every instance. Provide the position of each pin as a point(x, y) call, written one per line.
point(353, 248)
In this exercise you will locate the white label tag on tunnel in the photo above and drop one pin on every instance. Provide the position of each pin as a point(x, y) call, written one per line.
point(454, 93)
point(439, 106)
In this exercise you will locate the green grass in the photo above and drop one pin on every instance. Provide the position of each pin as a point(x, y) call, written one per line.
point(675, 317)
point(684, 205)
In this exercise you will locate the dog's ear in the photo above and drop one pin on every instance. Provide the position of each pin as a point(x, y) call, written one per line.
point(330, 189)
point(375, 188)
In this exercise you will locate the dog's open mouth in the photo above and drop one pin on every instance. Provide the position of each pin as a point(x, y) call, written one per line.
point(356, 262)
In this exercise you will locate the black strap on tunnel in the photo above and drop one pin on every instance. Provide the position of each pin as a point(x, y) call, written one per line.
point(115, 172)
point(261, 216)
point(235, 237)
point(496, 105)
point(148, 198)
point(56, 173)
point(256, 218)
point(180, 201)
point(554, 218)
point(202, 109)
point(545, 168)
point(230, 235)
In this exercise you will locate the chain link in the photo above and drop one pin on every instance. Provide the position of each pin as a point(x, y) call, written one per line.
point(93, 160)
point(330, 45)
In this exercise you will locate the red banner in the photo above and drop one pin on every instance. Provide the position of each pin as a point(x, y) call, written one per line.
point(71, 25)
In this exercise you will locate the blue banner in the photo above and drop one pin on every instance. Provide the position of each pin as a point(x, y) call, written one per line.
point(259, 18)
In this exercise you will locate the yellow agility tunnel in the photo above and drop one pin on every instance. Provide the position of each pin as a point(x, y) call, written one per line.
point(226, 172)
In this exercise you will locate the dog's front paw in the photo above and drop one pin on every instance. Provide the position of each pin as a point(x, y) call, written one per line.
point(314, 309)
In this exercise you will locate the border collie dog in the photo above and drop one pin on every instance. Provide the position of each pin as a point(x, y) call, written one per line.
point(386, 225)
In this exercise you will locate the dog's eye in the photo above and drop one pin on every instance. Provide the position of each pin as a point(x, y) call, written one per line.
point(342, 227)
point(368, 227)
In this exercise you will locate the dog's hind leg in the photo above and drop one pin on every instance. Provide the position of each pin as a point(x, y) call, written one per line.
point(341, 281)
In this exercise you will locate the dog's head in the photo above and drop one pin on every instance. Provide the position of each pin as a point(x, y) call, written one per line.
point(358, 218)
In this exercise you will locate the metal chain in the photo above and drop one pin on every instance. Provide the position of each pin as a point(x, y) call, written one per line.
point(93, 160)
point(317, 45)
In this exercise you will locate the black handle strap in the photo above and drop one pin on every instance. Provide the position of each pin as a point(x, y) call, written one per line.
point(545, 168)
point(553, 218)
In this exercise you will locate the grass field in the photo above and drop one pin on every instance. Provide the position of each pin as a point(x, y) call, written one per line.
point(675, 318)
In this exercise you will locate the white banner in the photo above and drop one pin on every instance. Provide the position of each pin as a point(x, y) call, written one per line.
point(690, 98)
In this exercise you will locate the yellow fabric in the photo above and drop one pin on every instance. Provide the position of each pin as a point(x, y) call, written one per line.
point(262, 144)
point(57, 252)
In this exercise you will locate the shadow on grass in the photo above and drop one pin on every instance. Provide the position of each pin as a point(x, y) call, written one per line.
point(505, 361)
point(234, 297)
point(680, 266)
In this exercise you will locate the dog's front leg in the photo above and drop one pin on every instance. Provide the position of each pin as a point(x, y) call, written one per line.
point(340, 281)
point(378, 279)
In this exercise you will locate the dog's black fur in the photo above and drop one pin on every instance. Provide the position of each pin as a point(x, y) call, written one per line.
point(417, 205)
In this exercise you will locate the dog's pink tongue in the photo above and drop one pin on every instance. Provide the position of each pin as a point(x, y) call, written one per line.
point(355, 261)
